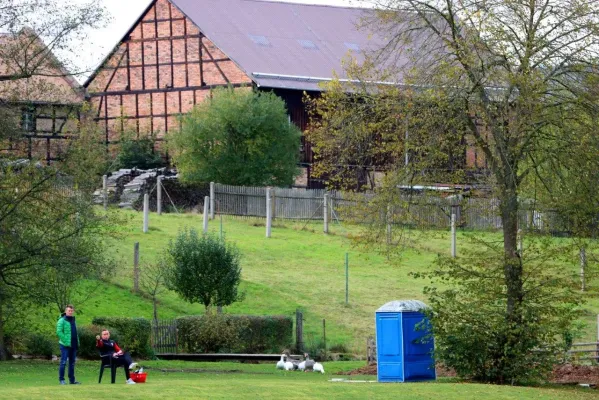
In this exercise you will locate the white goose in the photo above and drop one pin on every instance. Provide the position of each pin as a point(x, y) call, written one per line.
point(289, 366)
point(318, 367)
point(281, 363)
point(302, 366)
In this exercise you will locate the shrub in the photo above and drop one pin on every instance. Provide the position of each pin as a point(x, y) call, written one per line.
point(267, 334)
point(211, 333)
point(87, 340)
point(138, 153)
point(39, 345)
point(238, 137)
point(235, 333)
point(203, 269)
point(134, 334)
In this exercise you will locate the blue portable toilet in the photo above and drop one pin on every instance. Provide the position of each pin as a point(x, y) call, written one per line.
point(402, 355)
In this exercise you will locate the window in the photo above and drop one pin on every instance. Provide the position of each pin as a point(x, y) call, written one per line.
point(307, 44)
point(28, 121)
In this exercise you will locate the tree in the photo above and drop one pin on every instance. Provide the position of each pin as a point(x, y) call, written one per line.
point(515, 75)
point(238, 137)
point(48, 233)
point(203, 269)
point(58, 23)
point(153, 282)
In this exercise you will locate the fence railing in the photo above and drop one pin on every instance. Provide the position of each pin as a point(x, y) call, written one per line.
point(164, 337)
point(416, 210)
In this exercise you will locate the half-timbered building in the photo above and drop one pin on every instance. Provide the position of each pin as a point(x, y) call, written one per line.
point(40, 97)
point(178, 50)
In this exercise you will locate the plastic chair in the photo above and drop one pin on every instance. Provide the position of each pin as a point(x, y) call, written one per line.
point(107, 361)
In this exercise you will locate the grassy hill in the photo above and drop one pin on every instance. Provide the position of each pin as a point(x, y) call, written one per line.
point(299, 267)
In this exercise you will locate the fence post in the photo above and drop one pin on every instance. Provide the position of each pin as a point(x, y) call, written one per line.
point(583, 265)
point(146, 212)
point(268, 214)
point(105, 190)
point(325, 214)
point(346, 278)
point(324, 336)
point(597, 337)
point(388, 218)
point(206, 211)
point(299, 331)
point(159, 195)
point(211, 200)
point(136, 266)
point(453, 236)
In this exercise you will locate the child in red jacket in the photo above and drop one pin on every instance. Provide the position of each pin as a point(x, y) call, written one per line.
point(109, 347)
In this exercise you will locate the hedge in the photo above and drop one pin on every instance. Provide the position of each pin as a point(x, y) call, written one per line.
point(235, 333)
point(87, 340)
point(134, 334)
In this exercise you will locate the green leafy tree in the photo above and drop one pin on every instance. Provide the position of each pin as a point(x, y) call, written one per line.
point(203, 269)
point(50, 237)
point(238, 137)
point(513, 76)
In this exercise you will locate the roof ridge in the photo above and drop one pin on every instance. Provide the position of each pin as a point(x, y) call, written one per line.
point(299, 3)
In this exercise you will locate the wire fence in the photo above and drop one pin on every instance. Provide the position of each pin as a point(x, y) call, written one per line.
point(423, 211)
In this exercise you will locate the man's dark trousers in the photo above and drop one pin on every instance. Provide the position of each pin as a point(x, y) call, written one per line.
point(71, 354)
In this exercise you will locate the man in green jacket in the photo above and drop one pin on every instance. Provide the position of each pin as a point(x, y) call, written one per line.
point(68, 339)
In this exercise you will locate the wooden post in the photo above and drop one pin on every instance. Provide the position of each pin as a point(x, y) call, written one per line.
point(159, 195)
point(299, 331)
point(136, 266)
point(453, 236)
point(388, 218)
point(583, 265)
point(146, 212)
point(597, 337)
point(268, 214)
point(346, 278)
point(211, 200)
point(325, 214)
point(206, 212)
point(324, 336)
point(105, 191)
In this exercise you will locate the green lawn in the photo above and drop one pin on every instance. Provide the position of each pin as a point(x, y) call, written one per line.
point(38, 380)
point(296, 268)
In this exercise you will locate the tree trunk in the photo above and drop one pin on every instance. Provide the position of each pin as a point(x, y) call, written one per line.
point(512, 263)
point(512, 272)
point(155, 303)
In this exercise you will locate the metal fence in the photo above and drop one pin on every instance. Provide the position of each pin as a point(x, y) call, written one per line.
point(416, 210)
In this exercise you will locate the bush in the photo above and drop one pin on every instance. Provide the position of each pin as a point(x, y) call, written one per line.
point(238, 137)
point(134, 334)
point(87, 340)
point(235, 333)
point(211, 333)
point(138, 153)
point(39, 345)
point(203, 269)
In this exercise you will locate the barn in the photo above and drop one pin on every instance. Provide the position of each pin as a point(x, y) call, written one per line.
point(178, 50)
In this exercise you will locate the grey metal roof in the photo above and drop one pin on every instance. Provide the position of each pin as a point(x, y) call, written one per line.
point(281, 45)
point(403, 305)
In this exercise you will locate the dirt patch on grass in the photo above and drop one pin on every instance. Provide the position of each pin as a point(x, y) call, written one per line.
point(371, 370)
point(562, 374)
point(572, 374)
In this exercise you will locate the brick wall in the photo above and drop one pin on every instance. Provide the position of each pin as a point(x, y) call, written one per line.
point(161, 70)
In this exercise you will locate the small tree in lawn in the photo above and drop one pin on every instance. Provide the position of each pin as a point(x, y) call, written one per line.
point(153, 282)
point(238, 137)
point(203, 269)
